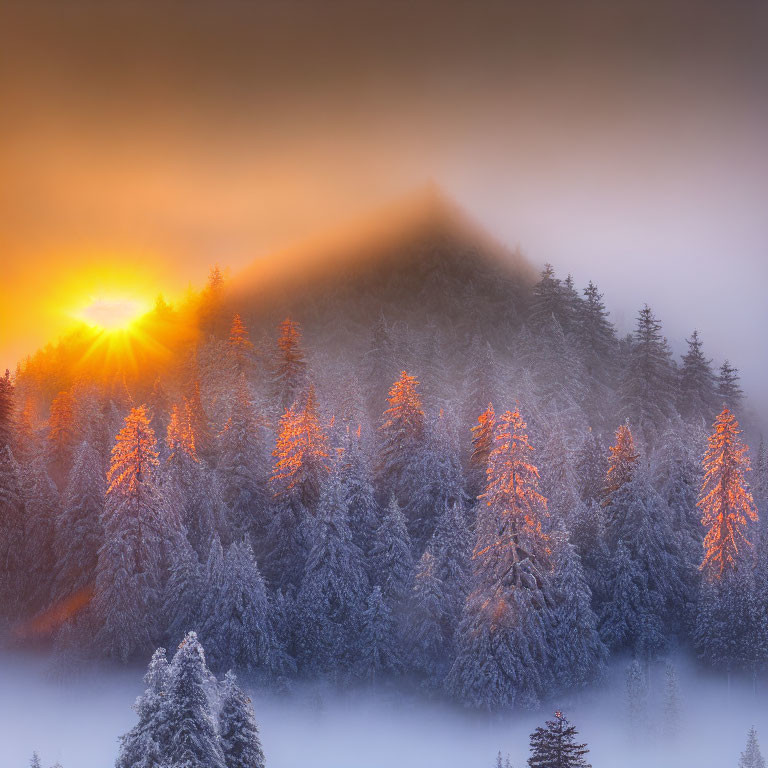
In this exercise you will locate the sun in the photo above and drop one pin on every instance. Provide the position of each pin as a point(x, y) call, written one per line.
point(112, 313)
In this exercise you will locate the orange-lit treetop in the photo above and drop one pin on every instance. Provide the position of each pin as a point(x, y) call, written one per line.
point(724, 500)
point(301, 453)
point(482, 438)
point(405, 412)
point(621, 461)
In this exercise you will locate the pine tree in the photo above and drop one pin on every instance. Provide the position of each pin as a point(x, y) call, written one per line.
point(428, 640)
point(184, 590)
point(597, 334)
point(725, 501)
point(331, 599)
point(62, 437)
point(403, 447)
point(35, 761)
point(648, 381)
point(190, 486)
point(240, 347)
point(379, 367)
point(241, 470)
point(301, 454)
point(240, 741)
point(291, 371)
point(357, 480)
point(129, 572)
point(752, 757)
point(188, 735)
point(548, 300)
point(237, 625)
point(6, 410)
point(391, 560)
point(555, 746)
point(591, 467)
point(379, 649)
point(139, 748)
point(482, 445)
point(451, 549)
point(12, 537)
point(729, 390)
point(506, 631)
point(198, 426)
point(697, 397)
point(579, 654)
point(41, 506)
point(621, 462)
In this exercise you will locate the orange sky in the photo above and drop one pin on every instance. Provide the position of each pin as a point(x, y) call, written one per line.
point(140, 143)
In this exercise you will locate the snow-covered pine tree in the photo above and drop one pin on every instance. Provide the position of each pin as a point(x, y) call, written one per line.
point(188, 735)
point(391, 560)
point(451, 549)
point(555, 746)
point(579, 654)
point(622, 461)
point(331, 599)
point(428, 640)
point(403, 448)
point(184, 591)
point(6, 410)
point(140, 747)
point(357, 481)
point(548, 300)
point(379, 648)
point(591, 467)
point(237, 622)
point(697, 396)
point(596, 334)
point(191, 487)
point(291, 376)
point(12, 539)
point(238, 730)
point(752, 757)
point(242, 468)
point(41, 506)
point(62, 437)
point(130, 569)
point(79, 531)
point(506, 631)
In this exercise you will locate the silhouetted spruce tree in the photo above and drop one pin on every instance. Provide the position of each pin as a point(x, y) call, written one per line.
point(729, 390)
point(199, 426)
point(555, 746)
point(548, 300)
point(696, 394)
point(240, 740)
point(648, 382)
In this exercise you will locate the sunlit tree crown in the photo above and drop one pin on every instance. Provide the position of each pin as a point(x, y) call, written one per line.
point(301, 453)
point(134, 457)
point(724, 500)
point(482, 438)
point(405, 412)
point(621, 461)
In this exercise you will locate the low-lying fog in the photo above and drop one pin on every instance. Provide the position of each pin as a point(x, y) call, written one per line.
point(77, 720)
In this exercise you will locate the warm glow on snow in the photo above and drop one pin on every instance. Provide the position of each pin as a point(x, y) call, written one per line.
point(113, 313)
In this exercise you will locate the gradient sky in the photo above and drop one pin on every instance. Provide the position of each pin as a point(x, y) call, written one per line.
point(625, 142)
